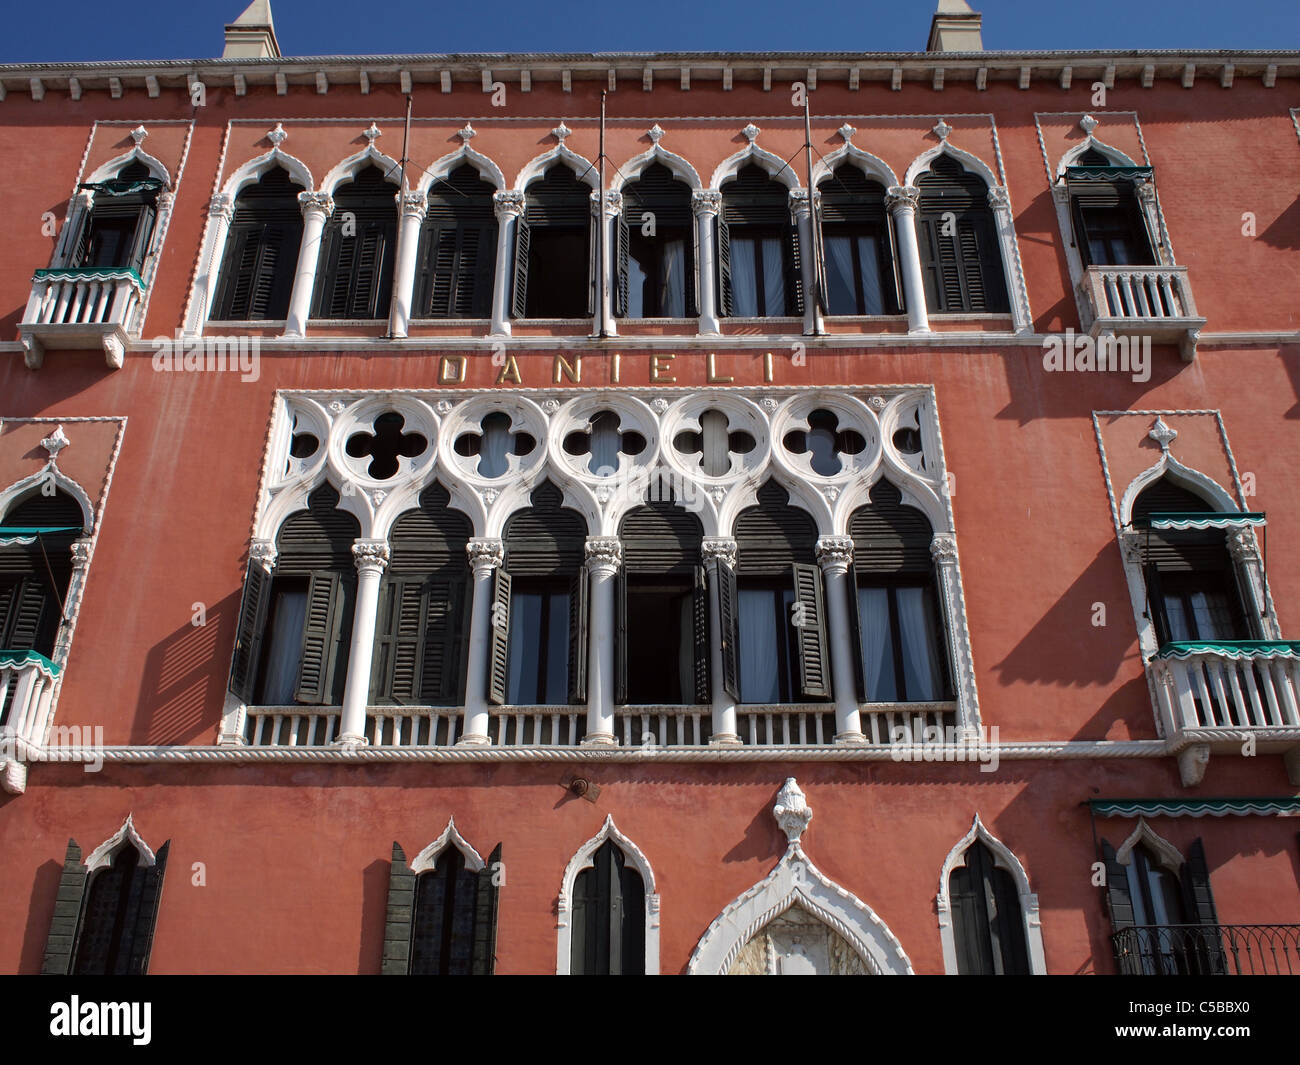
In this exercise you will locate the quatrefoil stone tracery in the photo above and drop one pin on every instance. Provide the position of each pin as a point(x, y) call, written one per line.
point(494, 445)
point(386, 445)
point(606, 441)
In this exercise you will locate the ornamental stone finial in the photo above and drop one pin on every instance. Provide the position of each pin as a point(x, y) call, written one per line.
point(561, 132)
point(792, 811)
point(277, 135)
point(138, 135)
point(1087, 123)
point(467, 133)
point(655, 133)
point(55, 442)
point(1162, 434)
point(370, 133)
point(942, 129)
point(750, 133)
point(846, 131)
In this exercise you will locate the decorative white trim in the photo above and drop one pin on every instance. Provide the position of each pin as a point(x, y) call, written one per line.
point(30, 486)
point(351, 166)
point(486, 168)
point(1166, 854)
point(795, 881)
point(584, 858)
point(426, 861)
point(249, 172)
point(1003, 858)
point(872, 165)
point(752, 153)
point(110, 169)
point(102, 855)
point(537, 167)
point(631, 170)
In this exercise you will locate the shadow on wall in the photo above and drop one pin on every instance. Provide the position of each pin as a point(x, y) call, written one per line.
point(374, 907)
point(40, 909)
point(1284, 230)
point(185, 676)
point(1291, 362)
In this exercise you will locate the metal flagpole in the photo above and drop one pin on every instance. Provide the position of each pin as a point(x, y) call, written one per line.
point(602, 273)
point(818, 303)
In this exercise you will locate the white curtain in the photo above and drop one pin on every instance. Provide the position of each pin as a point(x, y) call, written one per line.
point(522, 651)
point(920, 666)
point(773, 278)
point(877, 655)
point(495, 445)
point(869, 258)
point(283, 657)
point(635, 288)
point(744, 278)
point(759, 647)
point(604, 444)
point(839, 276)
point(674, 280)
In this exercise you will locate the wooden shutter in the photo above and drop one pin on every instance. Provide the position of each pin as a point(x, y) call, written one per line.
point(594, 267)
point(578, 638)
point(320, 638)
point(621, 265)
point(969, 923)
point(248, 631)
point(442, 267)
point(1156, 611)
point(724, 268)
point(475, 250)
point(397, 667)
point(141, 238)
point(1208, 959)
point(794, 294)
point(814, 673)
point(498, 671)
point(700, 637)
point(399, 916)
point(890, 538)
point(61, 941)
point(855, 631)
point(446, 634)
point(1121, 909)
point(519, 295)
point(146, 887)
point(620, 634)
point(32, 608)
point(367, 294)
point(729, 617)
point(486, 904)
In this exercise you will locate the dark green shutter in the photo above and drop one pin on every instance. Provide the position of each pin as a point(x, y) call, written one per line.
point(729, 617)
point(724, 268)
point(397, 666)
point(59, 944)
point(498, 671)
point(1199, 901)
point(700, 636)
point(320, 637)
point(578, 638)
point(146, 886)
point(248, 633)
point(443, 265)
point(620, 632)
point(1156, 611)
point(519, 294)
point(621, 266)
point(140, 242)
point(814, 676)
point(397, 924)
point(486, 904)
point(1121, 910)
point(31, 610)
point(446, 634)
point(794, 294)
point(855, 631)
point(594, 267)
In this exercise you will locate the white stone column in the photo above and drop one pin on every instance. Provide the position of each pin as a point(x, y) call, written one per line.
point(719, 552)
point(1017, 293)
point(605, 312)
point(508, 205)
point(1244, 549)
point(834, 555)
point(901, 201)
point(371, 558)
point(705, 203)
point(812, 318)
point(604, 555)
point(943, 550)
point(412, 207)
point(221, 210)
point(316, 208)
point(485, 556)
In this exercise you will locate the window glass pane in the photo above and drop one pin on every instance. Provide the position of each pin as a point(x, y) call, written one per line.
point(840, 297)
point(496, 445)
point(557, 650)
point(604, 443)
point(873, 295)
point(877, 646)
point(773, 278)
point(760, 646)
point(636, 278)
point(744, 277)
point(673, 292)
point(280, 679)
point(1178, 625)
point(524, 652)
point(1212, 615)
point(922, 679)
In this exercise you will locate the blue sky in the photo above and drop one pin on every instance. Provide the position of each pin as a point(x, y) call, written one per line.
point(93, 29)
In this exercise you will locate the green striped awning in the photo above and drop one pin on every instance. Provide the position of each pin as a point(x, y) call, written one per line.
point(1183, 520)
point(11, 535)
point(19, 659)
point(1262, 807)
point(1107, 173)
point(1234, 649)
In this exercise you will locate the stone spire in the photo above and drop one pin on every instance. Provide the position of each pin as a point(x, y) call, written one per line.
point(955, 28)
point(252, 35)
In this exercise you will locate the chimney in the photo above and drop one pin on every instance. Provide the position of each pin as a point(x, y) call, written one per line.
point(252, 35)
point(955, 28)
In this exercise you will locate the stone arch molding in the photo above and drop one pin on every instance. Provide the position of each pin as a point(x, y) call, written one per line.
point(584, 858)
point(441, 168)
point(1077, 152)
point(872, 165)
point(350, 167)
point(1169, 856)
point(427, 860)
point(537, 167)
point(102, 855)
point(24, 489)
point(752, 153)
point(252, 171)
point(797, 882)
point(113, 166)
point(631, 170)
point(1003, 858)
point(921, 164)
point(1184, 476)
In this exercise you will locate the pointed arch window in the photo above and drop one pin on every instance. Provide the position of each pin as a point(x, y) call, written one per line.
point(1110, 227)
point(609, 916)
point(758, 248)
point(655, 253)
point(295, 623)
point(117, 231)
point(358, 249)
point(261, 251)
point(960, 255)
point(861, 258)
point(457, 255)
point(554, 268)
point(35, 570)
point(987, 922)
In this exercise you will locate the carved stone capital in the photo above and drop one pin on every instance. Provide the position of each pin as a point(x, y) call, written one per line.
point(370, 554)
point(902, 198)
point(613, 203)
point(263, 552)
point(221, 207)
point(412, 204)
point(706, 203)
point(998, 197)
point(508, 204)
point(792, 811)
point(720, 549)
point(835, 552)
point(1145, 191)
point(81, 551)
point(485, 555)
point(166, 201)
point(322, 202)
point(798, 199)
point(603, 552)
point(1130, 544)
point(943, 548)
point(1242, 545)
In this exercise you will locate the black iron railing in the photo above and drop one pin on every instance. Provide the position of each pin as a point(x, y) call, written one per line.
point(1208, 950)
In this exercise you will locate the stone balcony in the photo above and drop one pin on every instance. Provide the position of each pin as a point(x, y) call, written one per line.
point(81, 307)
point(1141, 301)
